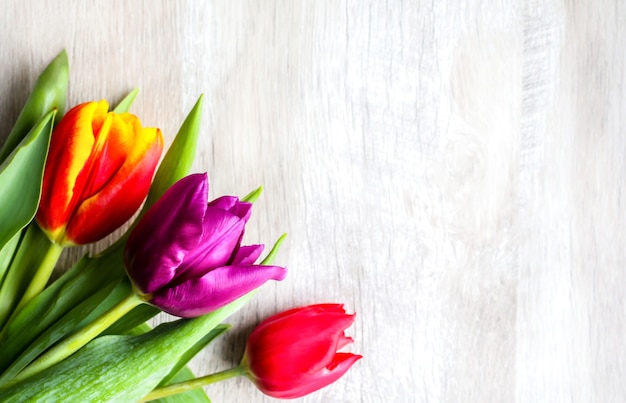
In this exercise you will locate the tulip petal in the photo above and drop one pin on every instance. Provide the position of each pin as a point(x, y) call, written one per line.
point(232, 204)
point(309, 311)
point(221, 234)
point(309, 383)
point(121, 196)
point(247, 255)
point(97, 130)
point(215, 289)
point(70, 148)
point(119, 137)
point(344, 341)
point(166, 233)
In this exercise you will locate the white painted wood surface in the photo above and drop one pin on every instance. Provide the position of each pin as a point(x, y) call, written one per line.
point(453, 171)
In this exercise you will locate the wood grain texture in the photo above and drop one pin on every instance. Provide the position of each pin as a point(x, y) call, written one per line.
point(452, 171)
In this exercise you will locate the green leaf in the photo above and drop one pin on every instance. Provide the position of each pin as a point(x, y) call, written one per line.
point(48, 94)
point(74, 320)
point(197, 395)
point(179, 158)
point(85, 278)
point(118, 368)
point(22, 269)
point(21, 175)
point(133, 319)
point(195, 349)
point(6, 254)
point(20, 179)
point(253, 196)
point(126, 103)
point(183, 374)
point(272, 255)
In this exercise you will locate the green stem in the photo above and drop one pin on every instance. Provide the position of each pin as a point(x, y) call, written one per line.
point(39, 281)
point(23, 268)
point(74, 342)
point(195, 383)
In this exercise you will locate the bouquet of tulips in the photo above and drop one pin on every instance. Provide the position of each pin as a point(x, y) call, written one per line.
point(72, 179)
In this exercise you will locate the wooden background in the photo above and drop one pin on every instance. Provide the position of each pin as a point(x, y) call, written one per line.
point(453, 171)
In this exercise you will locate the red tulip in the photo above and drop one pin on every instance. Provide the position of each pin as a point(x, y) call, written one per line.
point(294, 353)
point(99, 169)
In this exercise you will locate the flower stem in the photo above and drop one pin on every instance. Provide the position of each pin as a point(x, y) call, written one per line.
point(39, 281)
point(195, 383)
point(77, 340)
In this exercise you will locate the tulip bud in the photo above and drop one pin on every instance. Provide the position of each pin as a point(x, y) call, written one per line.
point(185, 254)
point(98, 172)
point(294, 353)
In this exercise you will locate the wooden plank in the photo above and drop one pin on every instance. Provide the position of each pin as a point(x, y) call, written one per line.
point(453, 172)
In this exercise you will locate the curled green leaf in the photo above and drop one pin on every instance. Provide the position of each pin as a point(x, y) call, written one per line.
point(21, 175)
point(49, 93)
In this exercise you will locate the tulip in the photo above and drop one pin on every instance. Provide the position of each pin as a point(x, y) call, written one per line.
point(294, 353)
point(185, 254)
point(99, 169)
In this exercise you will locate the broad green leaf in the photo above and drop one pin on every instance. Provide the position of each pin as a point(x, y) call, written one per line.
point(127, 102)
point(195, 349)
point(48, 94)
point(183, 374)
point(118, 368)
point(74, 320)
point(21, 175)
point(85, 278)
point(89, 310)
point(179, 157)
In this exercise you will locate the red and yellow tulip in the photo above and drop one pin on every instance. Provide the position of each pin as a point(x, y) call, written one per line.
point(99, 169)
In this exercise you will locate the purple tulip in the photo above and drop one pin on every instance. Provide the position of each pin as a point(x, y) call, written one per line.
point(185, 254)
